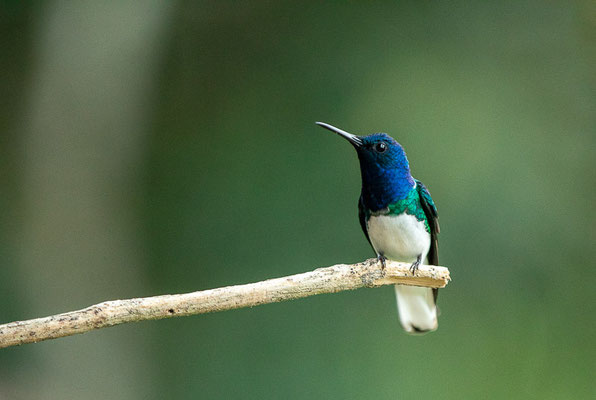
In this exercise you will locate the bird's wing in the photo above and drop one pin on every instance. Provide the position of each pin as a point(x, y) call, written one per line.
point(362, 218)
point(430, 210)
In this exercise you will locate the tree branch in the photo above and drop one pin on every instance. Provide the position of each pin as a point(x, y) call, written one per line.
point(323, 280)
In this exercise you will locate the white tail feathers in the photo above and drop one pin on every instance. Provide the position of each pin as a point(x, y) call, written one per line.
point(417, 309)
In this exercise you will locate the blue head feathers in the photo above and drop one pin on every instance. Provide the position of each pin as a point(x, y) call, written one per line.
point(384, 167)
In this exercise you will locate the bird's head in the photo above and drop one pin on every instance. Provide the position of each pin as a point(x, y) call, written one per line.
point(376, 151)
point(383, 165)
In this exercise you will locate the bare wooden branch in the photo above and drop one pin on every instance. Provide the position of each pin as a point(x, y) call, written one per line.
point(323, 280)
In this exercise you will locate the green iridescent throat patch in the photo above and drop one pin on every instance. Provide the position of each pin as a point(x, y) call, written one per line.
point(410, 205)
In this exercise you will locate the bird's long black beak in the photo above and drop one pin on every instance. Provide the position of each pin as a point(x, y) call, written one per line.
point(355, 140)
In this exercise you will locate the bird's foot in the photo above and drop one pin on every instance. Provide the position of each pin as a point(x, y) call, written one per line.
point(381, 258)
point(416, 264)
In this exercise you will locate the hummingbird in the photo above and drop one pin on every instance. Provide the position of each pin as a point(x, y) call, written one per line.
point(399, 219)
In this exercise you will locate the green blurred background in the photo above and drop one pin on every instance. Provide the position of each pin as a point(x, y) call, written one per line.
point(163, 147)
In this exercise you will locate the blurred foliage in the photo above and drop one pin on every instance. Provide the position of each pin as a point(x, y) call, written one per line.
point(495, 105)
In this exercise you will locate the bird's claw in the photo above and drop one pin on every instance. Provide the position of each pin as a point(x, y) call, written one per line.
point(415, 265)
point(382, 260)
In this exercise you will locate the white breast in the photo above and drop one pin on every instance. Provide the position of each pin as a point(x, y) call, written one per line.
point(399, 237)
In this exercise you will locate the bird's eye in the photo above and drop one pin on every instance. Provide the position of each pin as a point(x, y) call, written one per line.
point(380, 147)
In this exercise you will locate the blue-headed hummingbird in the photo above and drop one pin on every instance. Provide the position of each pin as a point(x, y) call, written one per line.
point(399, 219)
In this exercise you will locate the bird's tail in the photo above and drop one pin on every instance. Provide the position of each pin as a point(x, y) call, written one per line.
point(417, 309)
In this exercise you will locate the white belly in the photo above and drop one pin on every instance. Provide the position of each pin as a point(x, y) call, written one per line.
point(399, 237)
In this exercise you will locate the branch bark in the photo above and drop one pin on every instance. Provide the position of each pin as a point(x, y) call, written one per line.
point(332, 279)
